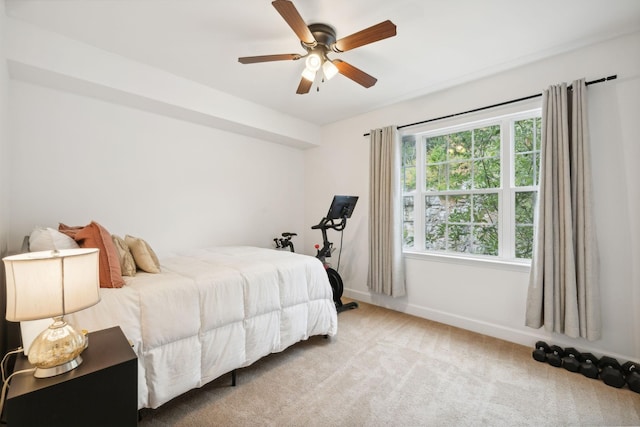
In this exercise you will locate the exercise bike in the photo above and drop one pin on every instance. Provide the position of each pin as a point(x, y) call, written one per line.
point(341, 208)
point(285, 241)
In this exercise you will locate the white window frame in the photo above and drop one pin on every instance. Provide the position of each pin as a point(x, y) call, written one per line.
point(507, 190)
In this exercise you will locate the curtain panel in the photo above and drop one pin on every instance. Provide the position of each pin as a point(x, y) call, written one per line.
point(563, 294)
point(386, 268)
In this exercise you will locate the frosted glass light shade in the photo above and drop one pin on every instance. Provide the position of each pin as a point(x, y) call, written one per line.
point(329, 69)
point(313, 62)
point(309, 74)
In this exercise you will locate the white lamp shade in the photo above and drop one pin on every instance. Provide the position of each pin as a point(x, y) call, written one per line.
point(51, 283)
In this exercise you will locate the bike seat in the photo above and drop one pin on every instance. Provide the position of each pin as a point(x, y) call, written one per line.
point(288, 234)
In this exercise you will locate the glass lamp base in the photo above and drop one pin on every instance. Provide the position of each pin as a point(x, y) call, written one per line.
point(57, 370)
point(57, 349)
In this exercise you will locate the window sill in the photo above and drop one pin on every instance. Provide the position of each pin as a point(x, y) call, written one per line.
point(498, 264)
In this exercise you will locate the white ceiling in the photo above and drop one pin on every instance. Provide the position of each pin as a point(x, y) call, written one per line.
point(439, 43)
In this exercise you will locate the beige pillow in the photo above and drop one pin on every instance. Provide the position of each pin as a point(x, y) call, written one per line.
point(127, 263)
point(143, 255)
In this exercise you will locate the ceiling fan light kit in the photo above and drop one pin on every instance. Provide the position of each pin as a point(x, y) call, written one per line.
point(319, 40)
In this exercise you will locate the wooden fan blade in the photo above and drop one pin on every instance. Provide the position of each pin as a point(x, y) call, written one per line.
point(354, 73)
point(267, 58)
point(304, 86)
point(290, 14)
point(372, 34)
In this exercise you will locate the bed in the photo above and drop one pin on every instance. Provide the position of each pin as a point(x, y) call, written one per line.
point(211, 311)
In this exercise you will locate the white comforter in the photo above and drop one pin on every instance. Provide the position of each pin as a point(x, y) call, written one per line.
point(211, 311)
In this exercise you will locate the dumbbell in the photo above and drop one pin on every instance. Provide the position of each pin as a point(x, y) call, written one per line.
point(611, 372)
point(572, 359)
point(554, 357)
point(540, 352)
point(630, 370)
point(589, 366)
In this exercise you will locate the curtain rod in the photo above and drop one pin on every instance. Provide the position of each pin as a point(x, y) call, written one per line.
point(603, 79)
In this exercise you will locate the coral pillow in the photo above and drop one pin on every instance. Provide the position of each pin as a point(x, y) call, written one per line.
point(70, 231)
point(96, 236)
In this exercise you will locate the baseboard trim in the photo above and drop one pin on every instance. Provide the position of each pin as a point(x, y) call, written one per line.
point(517, 336)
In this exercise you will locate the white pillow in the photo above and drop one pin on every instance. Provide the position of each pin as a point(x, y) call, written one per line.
point(48, 239)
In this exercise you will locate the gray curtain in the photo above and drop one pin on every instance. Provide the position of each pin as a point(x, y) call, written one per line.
point(563, 290)
point(386, 269)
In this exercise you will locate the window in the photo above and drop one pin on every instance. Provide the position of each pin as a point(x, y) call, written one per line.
point(471, 189)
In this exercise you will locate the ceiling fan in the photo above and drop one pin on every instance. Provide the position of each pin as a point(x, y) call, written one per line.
point(319, 40)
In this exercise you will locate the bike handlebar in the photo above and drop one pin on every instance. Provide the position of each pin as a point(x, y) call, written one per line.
point(326, 224)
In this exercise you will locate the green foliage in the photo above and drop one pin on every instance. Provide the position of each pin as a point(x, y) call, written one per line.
point(408, 233)
point(525, 205)
point(527, 138)
point(408, 163)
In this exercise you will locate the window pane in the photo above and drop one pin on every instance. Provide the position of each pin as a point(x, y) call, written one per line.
point(524, 169)
point(409, 163)
point(524, 135)
point(459, 238)
point(524, 241)
point(460, 176)
point(487, 173)
point(485, 240)
point(538, 130)
point(459, 209)
point(407, 225)
point(485, 208)
point(436, 177)
point(525, 203)
point(436, 150)
point(487, 142)
point(527, 151)
point(435, 223)
point(459, 145)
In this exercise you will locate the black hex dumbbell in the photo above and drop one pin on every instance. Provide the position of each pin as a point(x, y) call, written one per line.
point(611, 372)
point(632, 375)
point(572, 359)
point(589, 366)
point(540, 352)
point(554, 357)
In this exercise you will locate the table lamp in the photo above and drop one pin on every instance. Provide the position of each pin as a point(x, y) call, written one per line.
point(50, 284)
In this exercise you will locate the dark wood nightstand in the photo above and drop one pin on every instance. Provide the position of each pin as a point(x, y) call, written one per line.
point(102, 391)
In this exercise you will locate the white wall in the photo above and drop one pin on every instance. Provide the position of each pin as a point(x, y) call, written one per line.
point(4, 162)
point(177, 184)
point(4, 173)
point(491, 299)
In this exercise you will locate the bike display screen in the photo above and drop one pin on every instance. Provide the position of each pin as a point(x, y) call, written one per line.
point(342, 207)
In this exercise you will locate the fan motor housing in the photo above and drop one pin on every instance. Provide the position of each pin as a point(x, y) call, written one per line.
point(324, 34)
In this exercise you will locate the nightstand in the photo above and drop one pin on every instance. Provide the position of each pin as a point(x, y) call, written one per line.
point(102, 391)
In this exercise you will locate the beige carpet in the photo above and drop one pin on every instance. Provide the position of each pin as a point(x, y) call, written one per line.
point(387, 368)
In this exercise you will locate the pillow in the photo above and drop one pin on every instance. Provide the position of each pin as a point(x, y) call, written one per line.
point(96, 236)
point(145, 258)
point(127, 264)
point(48, 239)
point(70, 231)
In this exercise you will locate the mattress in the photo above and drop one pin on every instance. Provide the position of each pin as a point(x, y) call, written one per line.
point(211, 311)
